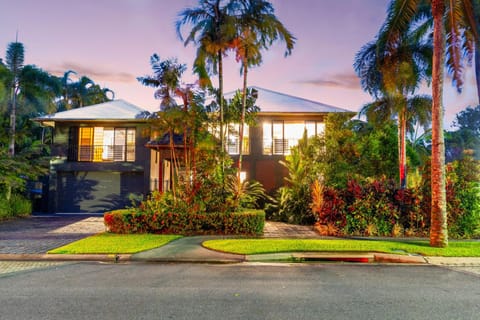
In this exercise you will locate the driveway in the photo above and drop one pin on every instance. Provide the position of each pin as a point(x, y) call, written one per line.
point(40, 233)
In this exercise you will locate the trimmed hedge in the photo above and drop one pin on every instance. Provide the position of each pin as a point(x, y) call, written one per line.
point(248, 222)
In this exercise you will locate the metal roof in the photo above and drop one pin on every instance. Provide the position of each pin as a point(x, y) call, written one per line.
point(275, 102)
point(110, 110)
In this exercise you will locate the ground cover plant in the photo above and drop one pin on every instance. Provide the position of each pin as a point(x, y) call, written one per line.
point(108, 243)
point(262, 246)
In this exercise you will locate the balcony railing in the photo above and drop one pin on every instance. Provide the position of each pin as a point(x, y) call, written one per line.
point(101, 153)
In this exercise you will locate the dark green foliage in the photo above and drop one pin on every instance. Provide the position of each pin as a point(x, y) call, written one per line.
point(16, 206)
point(380, 208)
point(248, 222)
point(469, 119)
point(348, 149)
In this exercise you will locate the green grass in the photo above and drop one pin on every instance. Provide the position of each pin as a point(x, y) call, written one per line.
point(109, 243)
point(259, 246)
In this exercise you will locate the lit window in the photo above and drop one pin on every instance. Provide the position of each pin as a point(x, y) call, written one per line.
point(233, 137)
point(105, 144)
point(280, 136)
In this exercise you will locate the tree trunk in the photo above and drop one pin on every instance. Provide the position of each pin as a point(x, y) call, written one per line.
point(477, 67)
point(242, 119)
point(220, 93)
point(438, 229)
point(402, 163)
point(476, 10)
point(13, 122)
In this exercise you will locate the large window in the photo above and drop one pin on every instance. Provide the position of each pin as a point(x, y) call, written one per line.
point(280, 136)
point(233, 139)
point(102, 144)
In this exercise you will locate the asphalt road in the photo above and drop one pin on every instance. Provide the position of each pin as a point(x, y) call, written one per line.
point(186, 291)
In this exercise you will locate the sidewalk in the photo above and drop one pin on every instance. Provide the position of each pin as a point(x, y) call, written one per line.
point(29, 239)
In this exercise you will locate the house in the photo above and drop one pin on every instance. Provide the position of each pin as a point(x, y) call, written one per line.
point(101, 154)
point(98, 158)
point(281, 122)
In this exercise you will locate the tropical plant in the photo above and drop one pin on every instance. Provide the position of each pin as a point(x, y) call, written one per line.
point(257, 29)
point(14, 61)
point(457, 15)
point(392, 76)
point(212, 30)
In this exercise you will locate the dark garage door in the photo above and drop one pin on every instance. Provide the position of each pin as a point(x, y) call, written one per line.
point(95, 191)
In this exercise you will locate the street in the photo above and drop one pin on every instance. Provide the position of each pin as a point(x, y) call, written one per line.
point(239, 291)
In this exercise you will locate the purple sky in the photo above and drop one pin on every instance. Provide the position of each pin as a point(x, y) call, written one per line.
point(111, 41)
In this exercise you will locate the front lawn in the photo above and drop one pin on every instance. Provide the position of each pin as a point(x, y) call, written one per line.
point(260, 246)
point(109, 243)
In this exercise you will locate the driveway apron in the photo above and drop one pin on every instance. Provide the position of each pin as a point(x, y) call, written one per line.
point(40, 233)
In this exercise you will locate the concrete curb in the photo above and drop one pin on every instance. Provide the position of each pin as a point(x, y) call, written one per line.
point(66, 257)
point(287, 257)
point(398, 258)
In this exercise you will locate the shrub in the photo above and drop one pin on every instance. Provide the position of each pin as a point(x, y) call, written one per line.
point(248, 222)
point(17, 205)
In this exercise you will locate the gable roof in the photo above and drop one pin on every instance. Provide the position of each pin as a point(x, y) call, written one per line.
point(275, 102)
point(110, 110)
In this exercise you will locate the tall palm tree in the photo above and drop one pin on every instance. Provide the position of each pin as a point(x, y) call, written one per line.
point(14, 61)
point(476, 12)
point(257, 29)
point(166, 79)
point(392, 77)
point(458, 14)
point(212, 32)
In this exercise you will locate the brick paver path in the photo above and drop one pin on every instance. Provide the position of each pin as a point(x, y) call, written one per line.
point(284, 230)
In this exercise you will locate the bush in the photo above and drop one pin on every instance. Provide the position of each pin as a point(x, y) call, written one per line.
point(248, 222)
point(376, 208)
point(17, 205)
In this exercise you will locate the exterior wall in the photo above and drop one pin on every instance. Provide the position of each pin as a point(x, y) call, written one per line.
point(264, 168)
point(95, 186)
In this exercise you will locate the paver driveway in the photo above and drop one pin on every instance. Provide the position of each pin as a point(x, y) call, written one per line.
point(39, 233)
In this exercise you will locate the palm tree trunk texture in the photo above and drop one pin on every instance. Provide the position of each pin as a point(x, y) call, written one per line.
point(477, 67)
point(242, 118)
point(220, 93)
point(403, 149)
point(13, 121)
point(438, 229)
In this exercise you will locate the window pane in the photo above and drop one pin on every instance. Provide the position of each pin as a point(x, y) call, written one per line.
point(97, 143)
point(320, 128)
point(267, 138)
point(131, 144)
point(293, 132)
point(85, 143)
point(280, 145)
point(108, 142)
point(232, 138)
point(119, 146)
point(311, 128)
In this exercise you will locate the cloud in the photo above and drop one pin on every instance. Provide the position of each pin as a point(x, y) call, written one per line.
point(96, 74)
point(346, 80)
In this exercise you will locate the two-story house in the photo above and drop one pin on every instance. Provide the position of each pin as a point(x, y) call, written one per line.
point(101, 154)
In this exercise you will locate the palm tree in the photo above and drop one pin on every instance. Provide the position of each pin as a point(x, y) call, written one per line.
point(257, 29)
point(458, 13)
point(14, 61)
point(166, 80)
point(476, 12)
point(212, 31)
point(392, 77)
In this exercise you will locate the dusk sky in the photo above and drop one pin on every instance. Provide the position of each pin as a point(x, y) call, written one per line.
point(111, 42)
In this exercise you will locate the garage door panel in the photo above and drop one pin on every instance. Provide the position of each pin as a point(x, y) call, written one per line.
point(96, 191)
